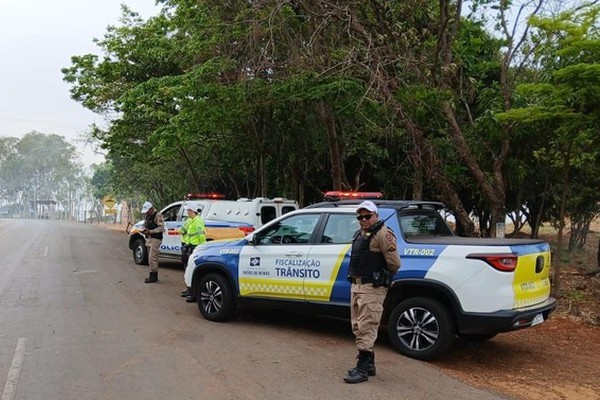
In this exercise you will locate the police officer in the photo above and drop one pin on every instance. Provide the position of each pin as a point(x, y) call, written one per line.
point(374, 260)
point(185, 252)
point(154, 226)
point(195, 234)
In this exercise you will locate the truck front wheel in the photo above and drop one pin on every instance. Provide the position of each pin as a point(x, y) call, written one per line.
point(215, 298)
point(140, 252)
point(421, 328)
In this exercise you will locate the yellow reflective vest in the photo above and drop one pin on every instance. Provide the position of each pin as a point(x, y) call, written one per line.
point(184, 231)
point(196, 231)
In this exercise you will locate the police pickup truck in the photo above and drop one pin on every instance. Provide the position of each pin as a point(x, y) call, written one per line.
point(174, 217)
point(447, 286)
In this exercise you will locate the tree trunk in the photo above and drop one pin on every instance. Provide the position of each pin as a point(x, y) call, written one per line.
point(561, 222)
point(327, 115)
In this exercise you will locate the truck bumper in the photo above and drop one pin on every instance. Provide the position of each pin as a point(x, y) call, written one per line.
point(505, 320)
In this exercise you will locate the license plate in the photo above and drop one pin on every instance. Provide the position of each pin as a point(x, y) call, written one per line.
point(538, 319)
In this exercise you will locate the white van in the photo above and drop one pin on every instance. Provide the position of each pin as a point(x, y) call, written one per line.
point(256, 212)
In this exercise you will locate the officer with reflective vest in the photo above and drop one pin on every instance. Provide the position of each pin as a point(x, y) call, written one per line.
point(154, 226)
point(374, 260)
point(194, 232)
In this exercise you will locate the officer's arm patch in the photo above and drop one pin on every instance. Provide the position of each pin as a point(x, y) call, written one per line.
point(389, 236)
point(391, 247)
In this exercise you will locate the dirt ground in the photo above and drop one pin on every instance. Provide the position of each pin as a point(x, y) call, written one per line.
point(557, 360)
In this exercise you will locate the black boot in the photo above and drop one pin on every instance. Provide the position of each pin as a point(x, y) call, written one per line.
point(152, 278)
point(359, 373)
point(371, 371)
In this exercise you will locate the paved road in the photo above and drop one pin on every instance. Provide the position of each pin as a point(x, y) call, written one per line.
point(78, 322)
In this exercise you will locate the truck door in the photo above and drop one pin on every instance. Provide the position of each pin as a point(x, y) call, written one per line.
point(171, 243)
point(275, 266)
point(332, 253)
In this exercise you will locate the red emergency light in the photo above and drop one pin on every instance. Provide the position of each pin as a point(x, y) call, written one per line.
point(213, 196)
point(338, 195)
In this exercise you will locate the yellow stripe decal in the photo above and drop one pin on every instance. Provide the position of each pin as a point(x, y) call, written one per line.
point(321, 291)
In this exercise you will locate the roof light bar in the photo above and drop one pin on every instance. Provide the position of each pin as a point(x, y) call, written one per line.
point(216, 196)
point(334, 195)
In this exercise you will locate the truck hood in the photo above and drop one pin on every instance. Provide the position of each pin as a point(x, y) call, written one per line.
point(220, 243)
point(209, 223)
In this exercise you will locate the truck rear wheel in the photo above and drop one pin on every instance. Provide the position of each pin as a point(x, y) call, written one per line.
point(421, 328)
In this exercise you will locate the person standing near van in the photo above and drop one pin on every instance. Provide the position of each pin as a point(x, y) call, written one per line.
point(154, 225)
point(195, 234)
point(374, 260)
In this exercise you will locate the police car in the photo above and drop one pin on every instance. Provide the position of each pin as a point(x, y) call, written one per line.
point(446, 286)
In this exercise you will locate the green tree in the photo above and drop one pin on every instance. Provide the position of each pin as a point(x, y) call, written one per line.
point(567, 99)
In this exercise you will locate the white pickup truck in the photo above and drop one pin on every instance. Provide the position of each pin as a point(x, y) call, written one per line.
point(447, 286)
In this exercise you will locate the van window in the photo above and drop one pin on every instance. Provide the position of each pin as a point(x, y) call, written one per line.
point(267, 213)
point(287, 209)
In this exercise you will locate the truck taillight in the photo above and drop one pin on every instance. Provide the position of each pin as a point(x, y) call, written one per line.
point(501, 262)
point(246, 229)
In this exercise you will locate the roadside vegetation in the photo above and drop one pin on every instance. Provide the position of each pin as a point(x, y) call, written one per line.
point(489, 106)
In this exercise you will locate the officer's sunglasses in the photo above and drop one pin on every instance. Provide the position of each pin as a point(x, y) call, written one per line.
point(363, 217)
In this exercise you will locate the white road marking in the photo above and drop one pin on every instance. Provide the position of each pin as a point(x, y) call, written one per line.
point(46, 252)
point(10, 388)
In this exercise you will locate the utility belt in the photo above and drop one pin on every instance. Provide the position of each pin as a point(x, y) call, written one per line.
point(378, 278)
point(188, 247)
point(360, 280)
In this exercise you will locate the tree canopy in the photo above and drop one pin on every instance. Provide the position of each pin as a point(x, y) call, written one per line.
point(416, 99)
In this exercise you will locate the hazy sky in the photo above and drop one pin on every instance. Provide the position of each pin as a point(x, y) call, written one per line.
point(37, 39)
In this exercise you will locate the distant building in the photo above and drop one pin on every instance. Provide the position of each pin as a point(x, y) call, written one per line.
point(43, 209)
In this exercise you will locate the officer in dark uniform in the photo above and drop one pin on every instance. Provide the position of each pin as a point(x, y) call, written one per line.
point(374, 260)
point(154, 226)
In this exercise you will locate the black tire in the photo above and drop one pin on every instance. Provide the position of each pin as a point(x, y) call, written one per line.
point(476, 337)
point(215, 298)
point(421, 328)
point(140, 252)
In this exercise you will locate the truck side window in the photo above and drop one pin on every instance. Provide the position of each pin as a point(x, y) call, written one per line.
point(423, 225)
point(296, 229)
point(170, 214)
point(339, 229)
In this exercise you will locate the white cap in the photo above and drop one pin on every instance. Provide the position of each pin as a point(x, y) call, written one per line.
point(147, 205)
point(192, 205)
point(367, 205)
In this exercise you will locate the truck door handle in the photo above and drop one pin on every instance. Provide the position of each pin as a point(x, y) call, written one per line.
point(294, 254)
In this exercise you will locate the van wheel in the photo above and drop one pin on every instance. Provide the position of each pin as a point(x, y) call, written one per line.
point(421, 328)
point(140, 252)
point(215, 298)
